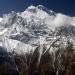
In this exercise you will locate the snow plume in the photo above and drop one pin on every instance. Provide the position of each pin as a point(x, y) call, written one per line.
point(63, 20)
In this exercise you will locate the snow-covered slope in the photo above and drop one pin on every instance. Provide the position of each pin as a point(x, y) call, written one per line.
point(36, 25)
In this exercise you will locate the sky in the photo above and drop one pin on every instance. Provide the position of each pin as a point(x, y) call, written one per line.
point(64, 6)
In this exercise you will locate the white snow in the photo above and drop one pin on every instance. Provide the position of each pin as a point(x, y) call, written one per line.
point(50, 20)
point(3, 31)
point(31, 7)
point(1, 19)
point(33, 16)
point(16, 46)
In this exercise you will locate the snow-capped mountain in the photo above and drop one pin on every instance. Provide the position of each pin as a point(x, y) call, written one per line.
point(36, 25)
point(37, 39)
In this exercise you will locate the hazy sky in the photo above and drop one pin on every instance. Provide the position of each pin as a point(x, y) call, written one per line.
point(63, 6)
